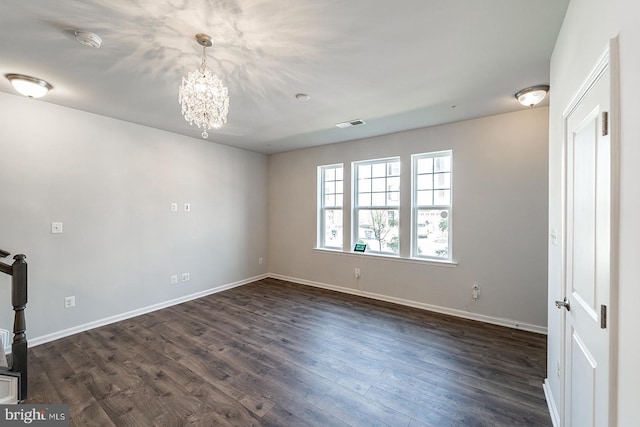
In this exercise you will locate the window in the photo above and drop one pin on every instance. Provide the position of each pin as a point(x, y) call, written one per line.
point(432, 205)
point(376, 205)
point(330, 182)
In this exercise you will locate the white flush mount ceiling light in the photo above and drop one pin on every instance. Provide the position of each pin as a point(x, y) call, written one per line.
point(88, 39)
point(532, 95)
point(204, 99)
point(29, 86)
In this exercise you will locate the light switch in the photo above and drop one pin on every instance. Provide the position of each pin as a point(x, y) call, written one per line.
point(187, 207)
point(56, 228)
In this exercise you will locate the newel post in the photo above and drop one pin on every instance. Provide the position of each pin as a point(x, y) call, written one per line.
point(19, 302)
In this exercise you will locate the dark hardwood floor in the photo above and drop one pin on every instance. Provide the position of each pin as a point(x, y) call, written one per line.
point(277, 353)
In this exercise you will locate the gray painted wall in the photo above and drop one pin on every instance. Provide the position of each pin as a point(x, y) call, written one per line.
point(499, 219)
point(587, 28)
point(112, 183)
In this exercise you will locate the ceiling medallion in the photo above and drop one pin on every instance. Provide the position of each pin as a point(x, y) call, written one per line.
point(203, 96)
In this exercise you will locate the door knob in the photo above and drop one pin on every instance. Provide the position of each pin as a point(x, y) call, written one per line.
point(564, 303)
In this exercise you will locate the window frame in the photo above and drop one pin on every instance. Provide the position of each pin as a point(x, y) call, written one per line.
point(356, 208)
point(416, 208)
point(322, 207)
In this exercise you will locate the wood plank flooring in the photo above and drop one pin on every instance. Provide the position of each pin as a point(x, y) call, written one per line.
point(273, 353)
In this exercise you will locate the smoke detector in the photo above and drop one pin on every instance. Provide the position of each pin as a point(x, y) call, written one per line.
point(351, 123)
point(88, 39)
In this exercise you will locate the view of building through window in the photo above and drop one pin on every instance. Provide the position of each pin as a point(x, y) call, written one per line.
point(432, 204)
point(375, 214)
point(376, 208)
point(331, 201)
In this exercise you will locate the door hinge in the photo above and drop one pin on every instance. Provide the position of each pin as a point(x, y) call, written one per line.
point(603, 317)
point(605, 123)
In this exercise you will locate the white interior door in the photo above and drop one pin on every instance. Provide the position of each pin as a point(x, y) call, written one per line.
point(588, 254)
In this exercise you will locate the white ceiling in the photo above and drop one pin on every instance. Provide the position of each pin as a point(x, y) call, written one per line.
point(396, 64)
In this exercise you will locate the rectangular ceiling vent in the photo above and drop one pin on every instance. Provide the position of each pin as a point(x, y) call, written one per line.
point(350, 123)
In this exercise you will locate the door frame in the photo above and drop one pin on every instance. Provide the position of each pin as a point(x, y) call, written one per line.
point(609, 59)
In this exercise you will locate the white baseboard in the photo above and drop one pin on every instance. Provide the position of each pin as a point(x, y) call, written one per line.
point(129, 314)
point(553, 409)
point(429, 307)
point(143, 310)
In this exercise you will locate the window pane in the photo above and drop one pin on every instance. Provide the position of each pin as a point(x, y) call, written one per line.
point(329, 201)
point(433, 233)
point(329, 187)
point(424, 198)
point(442, 197)
point(339, 187)
point(393, 184)
point(393, 198)
point(425, 182)
point(393, 169)
point(442, 180)
point(378, 184)
point(339, 200)
point(379, 170)
point(339, 174)
point(378, 228)
point(364, 186)
point(333, 228)
point(364, 171)
point(329, 174)
point(442, 164)
point(425, 165)
point(364, 199)
point(377, 199)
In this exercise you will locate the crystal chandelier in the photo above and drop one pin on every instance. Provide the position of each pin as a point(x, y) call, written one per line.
point(204, 99)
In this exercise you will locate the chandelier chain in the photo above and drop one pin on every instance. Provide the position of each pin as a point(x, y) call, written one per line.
point(204, 58)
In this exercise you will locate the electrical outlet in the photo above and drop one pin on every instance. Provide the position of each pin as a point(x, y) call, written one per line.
point(260, 260)
point(356, 273)
point(174, 207)
point(69, 302)
point(475, 290)
point(186, 277)
point(174, 279)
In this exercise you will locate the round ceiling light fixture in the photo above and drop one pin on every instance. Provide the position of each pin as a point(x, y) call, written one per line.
point(88, 39)
point(28, 86)
point(532, 95)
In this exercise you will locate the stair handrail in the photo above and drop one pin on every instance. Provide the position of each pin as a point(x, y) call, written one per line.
point(18, 273)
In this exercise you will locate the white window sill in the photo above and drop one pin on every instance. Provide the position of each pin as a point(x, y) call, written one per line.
point(434, 262)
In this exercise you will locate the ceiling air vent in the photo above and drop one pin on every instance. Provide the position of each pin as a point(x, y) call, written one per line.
point(351, 123)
